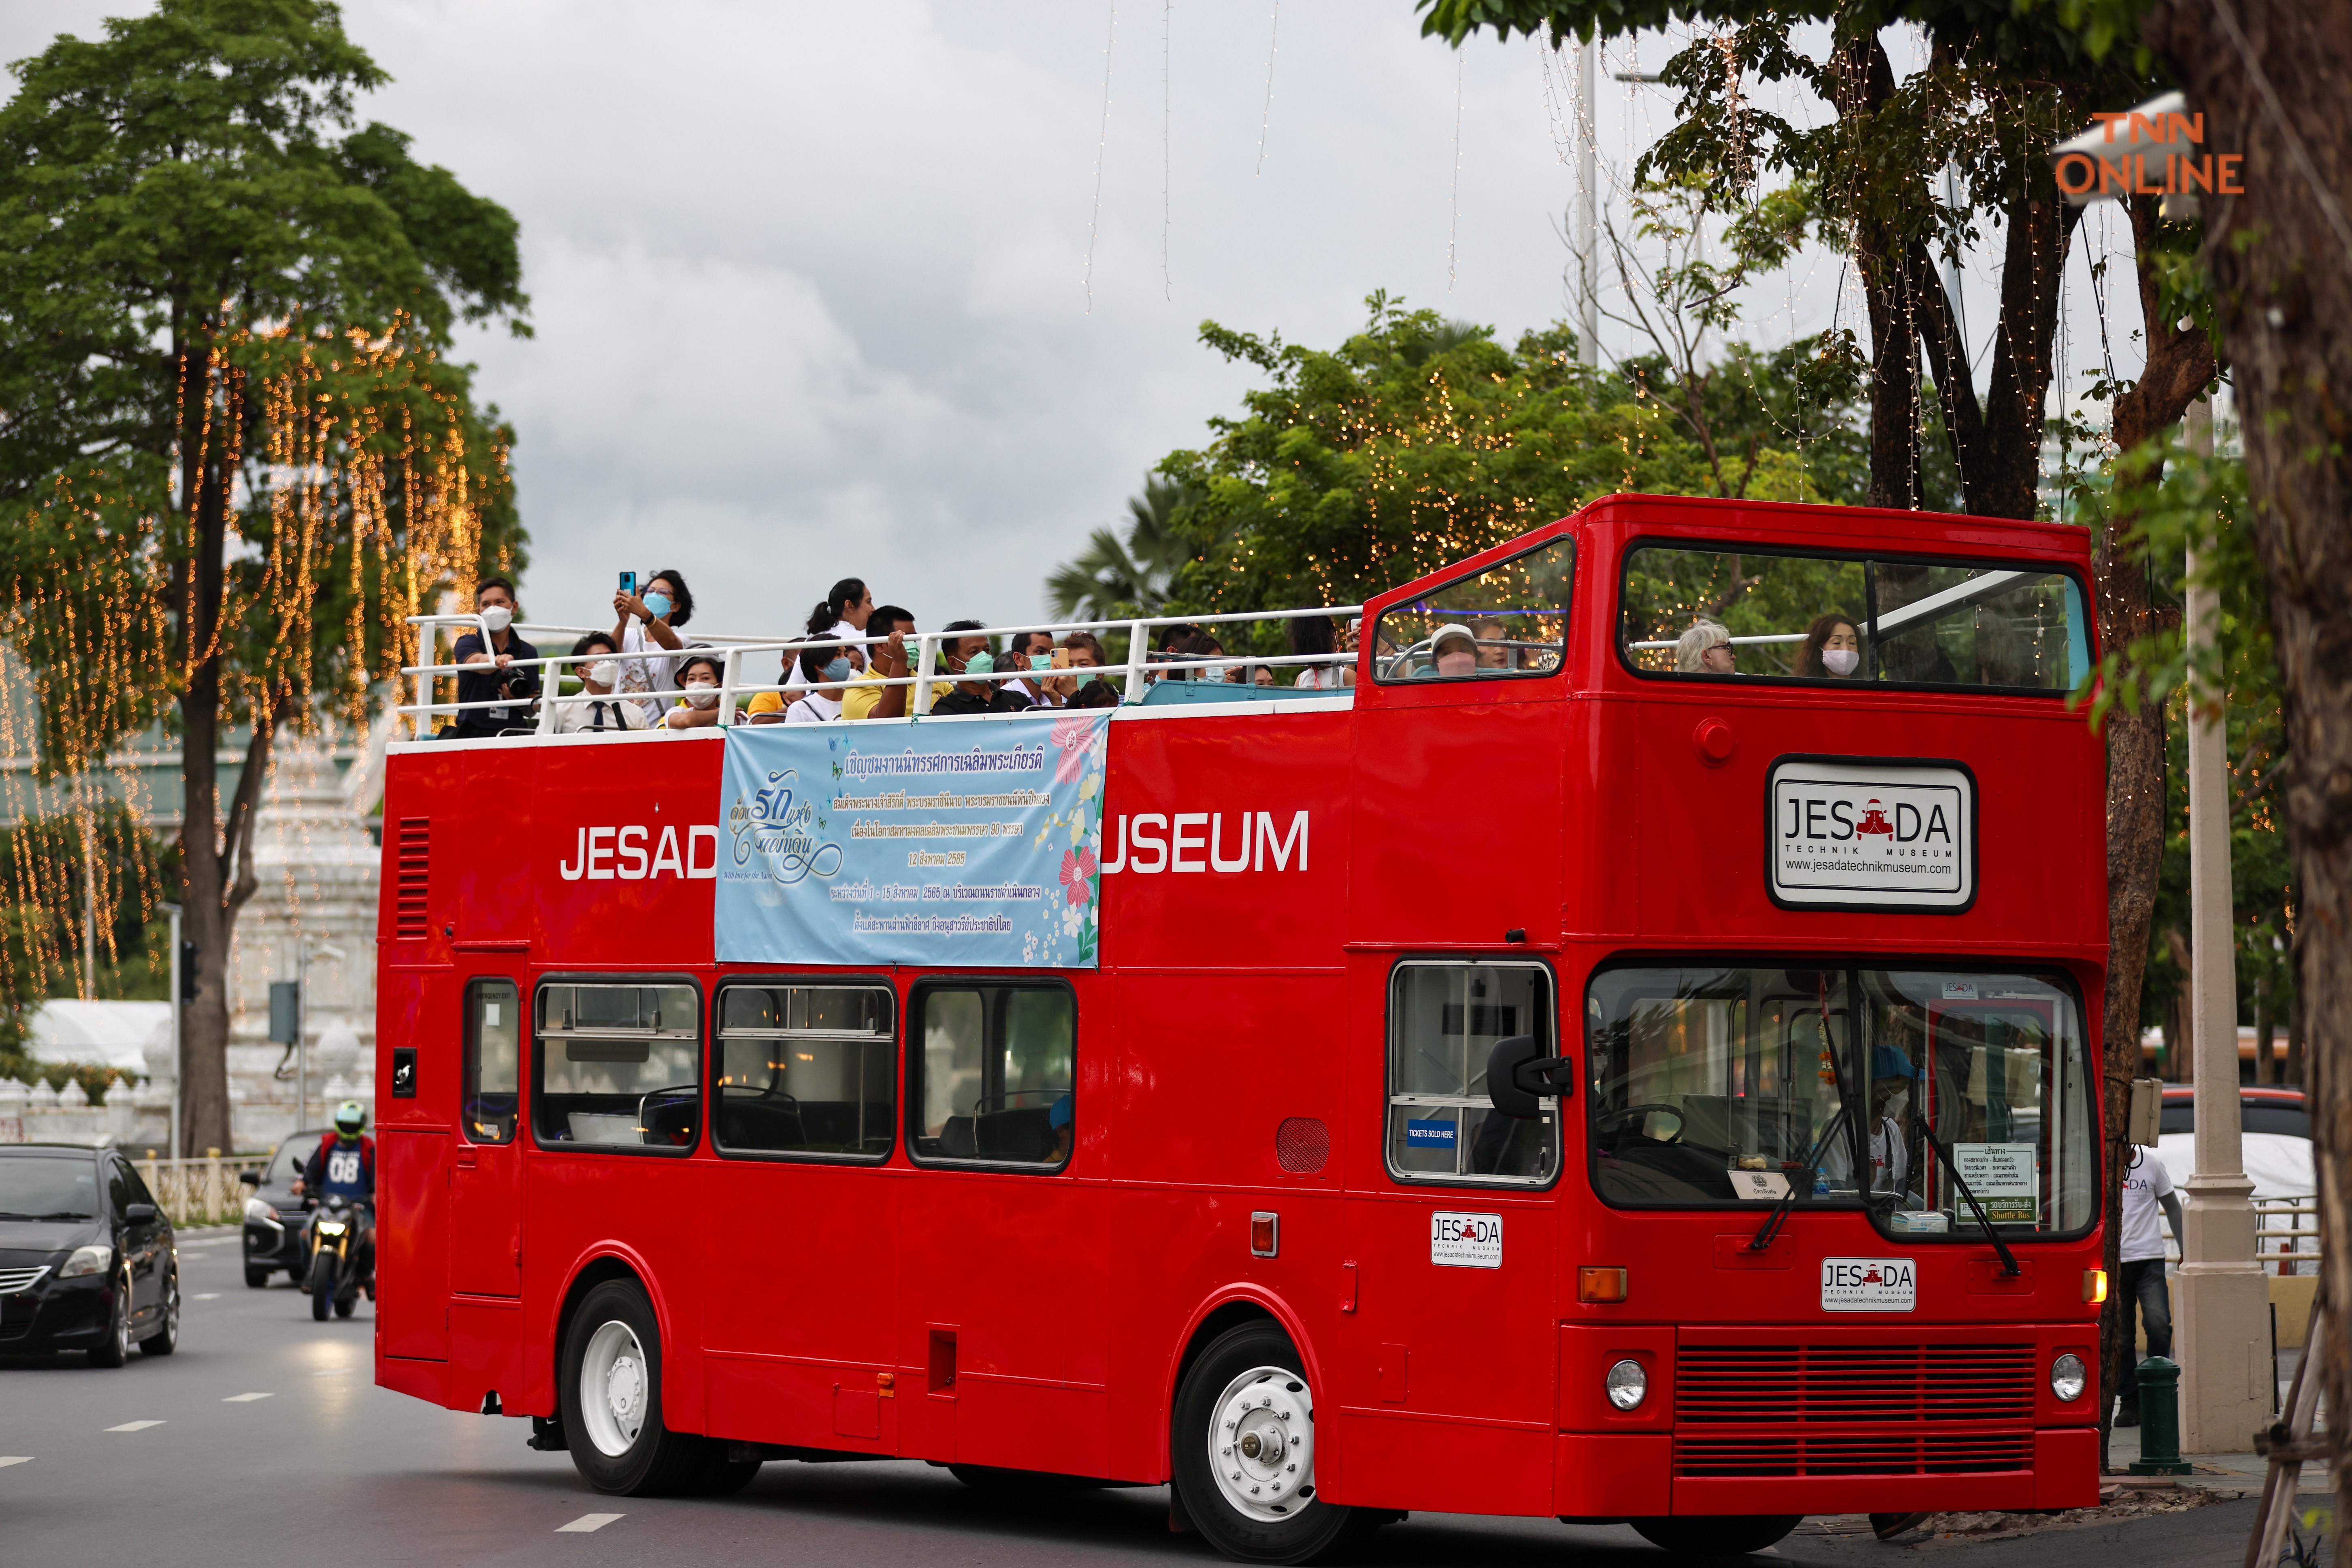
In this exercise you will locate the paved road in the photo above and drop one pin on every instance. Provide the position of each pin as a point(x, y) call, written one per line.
point(328, 1467)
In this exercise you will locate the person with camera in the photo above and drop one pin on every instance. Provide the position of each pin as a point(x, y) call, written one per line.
point(490, 676)
point(648, 625)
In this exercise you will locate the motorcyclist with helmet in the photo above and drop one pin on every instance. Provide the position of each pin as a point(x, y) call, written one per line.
point(343, 1166)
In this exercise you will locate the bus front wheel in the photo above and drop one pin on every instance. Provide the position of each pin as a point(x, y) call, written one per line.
point(1245, 1452)
point(610, 1392)
point(1716, 1535)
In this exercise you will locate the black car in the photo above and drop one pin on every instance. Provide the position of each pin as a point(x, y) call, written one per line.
point(88, 1260)
point(277, 1225)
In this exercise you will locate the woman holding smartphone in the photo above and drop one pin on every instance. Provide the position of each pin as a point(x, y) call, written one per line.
point(647, 626)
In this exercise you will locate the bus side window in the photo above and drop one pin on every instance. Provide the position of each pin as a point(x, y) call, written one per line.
point(493, 1060)
point(991, 1073)
point(618, 1066)
point(806, 1069)
point(1444, 1022)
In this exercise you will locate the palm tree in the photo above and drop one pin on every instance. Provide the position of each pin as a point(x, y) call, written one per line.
point(1113, 576)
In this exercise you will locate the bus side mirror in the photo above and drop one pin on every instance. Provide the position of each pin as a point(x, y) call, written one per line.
point(1519, 1077)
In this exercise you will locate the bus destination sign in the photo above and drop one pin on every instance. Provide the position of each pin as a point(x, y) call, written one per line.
point(1859, 833)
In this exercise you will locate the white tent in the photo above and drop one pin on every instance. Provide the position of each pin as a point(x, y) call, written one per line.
point(113, 1033)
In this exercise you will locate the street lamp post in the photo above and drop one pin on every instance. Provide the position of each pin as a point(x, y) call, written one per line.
point(2223, 1307)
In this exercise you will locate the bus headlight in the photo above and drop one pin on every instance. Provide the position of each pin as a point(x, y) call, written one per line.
point(1627, 1384)
point(2067, 1377)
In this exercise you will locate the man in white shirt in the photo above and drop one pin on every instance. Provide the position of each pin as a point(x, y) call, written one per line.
point(604, 709)
point(2147, 1185)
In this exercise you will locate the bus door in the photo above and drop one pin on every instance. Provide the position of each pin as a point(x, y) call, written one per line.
point(1005, 1255)
point(804, 1114)
point(485, 1177)
point(1451, 1235)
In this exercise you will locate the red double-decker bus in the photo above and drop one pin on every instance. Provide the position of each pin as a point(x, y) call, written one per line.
point(1624, 1055)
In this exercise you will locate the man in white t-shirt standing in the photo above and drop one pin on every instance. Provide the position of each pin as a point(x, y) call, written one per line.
point(2147, 1185)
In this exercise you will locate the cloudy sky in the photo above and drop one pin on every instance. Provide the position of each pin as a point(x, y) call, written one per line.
point(811, 282)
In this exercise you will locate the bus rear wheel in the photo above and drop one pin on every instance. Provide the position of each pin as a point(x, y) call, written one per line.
point(1716, 1535)
point(609, 1388)
point(1245, 1452)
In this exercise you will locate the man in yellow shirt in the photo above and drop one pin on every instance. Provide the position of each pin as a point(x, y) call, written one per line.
point(866, 697)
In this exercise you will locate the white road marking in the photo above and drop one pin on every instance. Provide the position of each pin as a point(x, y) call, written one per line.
point(8, 1459)
point(332, 1372)
point(206, 1296)
point(135, 1426)
point(586, 1522)
point(242, 1398)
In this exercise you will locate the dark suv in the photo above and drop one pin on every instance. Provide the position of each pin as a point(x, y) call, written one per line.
point(276, 1226)
point(88, 1260)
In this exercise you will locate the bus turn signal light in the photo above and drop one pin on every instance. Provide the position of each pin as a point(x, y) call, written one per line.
point(1265, 1231)
point(1600, 1285)
point(2094, 1286)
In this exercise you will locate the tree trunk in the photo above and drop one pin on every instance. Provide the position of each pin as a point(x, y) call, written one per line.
point(2269, 76)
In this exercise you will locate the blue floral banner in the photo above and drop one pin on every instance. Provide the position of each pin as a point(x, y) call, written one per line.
point(930, 844)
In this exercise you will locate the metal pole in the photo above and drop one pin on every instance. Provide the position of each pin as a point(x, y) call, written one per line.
point(179, 1056)
point(2222, 1302)
point(1588, 206)
point(301, 1056)
point(88, 902)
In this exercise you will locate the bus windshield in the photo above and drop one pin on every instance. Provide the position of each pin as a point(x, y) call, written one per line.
point(1750, 612)
point(1698, 1072)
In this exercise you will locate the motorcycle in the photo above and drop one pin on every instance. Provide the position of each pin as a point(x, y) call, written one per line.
point(337, 1274)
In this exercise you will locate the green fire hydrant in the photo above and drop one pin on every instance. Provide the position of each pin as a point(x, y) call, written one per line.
point(2159, 1419)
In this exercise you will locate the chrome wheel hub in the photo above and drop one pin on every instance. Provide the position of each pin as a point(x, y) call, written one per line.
point(1262, 1443)
point(615, 1384)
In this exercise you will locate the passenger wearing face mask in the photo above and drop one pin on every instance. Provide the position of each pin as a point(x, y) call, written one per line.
point(604, 710)
point(698, 673)
point(1831, 648)
point(1453, 650)
point(970, 656)
point(648, 624)
point(494, 680)
point(827, 670)
point(841, 613)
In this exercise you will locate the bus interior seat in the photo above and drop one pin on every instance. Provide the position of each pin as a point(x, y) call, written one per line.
point(1707, 1121)
point(672, 1117)
point(957, 1140)
point(1025, 1133)
point(756, 1121)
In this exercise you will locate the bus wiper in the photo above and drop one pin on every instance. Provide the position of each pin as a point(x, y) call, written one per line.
point(2007, 1259)
point(1771, 1229)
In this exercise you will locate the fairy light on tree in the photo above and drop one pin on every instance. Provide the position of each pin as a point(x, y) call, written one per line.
point(239, 456)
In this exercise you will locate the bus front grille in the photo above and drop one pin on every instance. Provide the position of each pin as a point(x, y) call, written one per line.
point(1911, 1453)
point(1757, 1384)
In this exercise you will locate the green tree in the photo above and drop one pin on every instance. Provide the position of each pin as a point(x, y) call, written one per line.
point(235, 459)
point(1113, 578)
point(1413, 444)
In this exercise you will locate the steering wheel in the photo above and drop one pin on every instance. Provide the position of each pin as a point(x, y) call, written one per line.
point(1631, 1113)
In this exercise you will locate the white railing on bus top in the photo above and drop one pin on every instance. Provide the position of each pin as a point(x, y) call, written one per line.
point(1142, 664)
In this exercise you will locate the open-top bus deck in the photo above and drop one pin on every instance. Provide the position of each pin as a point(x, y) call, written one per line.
point(1109, 1094)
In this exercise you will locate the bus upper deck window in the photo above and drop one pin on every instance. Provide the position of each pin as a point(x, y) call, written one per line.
point(1840, 619)
point(1509, 621)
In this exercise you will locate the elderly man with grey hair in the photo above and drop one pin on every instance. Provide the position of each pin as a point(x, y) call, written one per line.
point(1705, 649)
